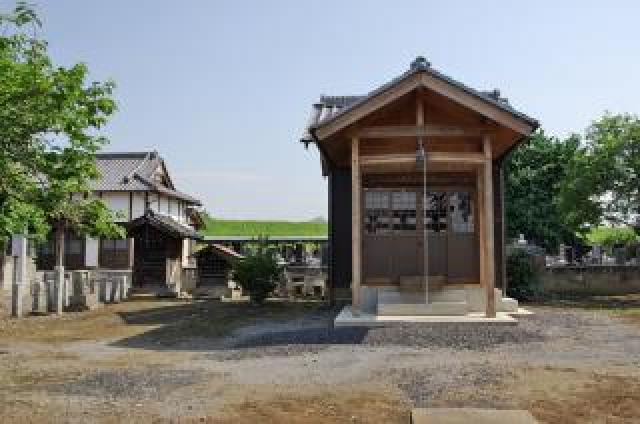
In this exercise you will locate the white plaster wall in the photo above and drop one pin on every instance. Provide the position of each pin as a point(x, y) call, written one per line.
point(161, 204)
point(119, 202)
point(137, 209)
point(181, 211)
point(170, 206)
point(153, 202)
point(175, 209)
point(185, 252)
point(91, 252)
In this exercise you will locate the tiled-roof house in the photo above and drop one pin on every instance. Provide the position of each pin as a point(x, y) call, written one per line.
point(161, 223)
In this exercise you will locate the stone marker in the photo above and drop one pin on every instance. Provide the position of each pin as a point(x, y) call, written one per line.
point(20, 280)
point(40, 297)
point(116, 285)
point(59, 290)
point(124, 287)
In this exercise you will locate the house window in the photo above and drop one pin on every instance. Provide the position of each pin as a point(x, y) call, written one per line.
point(403, 205)
point(435, 211)
point(461, 212)
point(377, 208)
point(114, 254)
point(73, 245)
point(74, 251)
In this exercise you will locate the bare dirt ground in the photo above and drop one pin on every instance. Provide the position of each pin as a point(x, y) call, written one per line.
point(156, 361)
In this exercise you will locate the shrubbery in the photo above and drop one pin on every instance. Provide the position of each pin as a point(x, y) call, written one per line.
point(522, 282)
point(257, 273)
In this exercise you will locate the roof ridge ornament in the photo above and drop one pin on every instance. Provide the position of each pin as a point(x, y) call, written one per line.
point(420, 64)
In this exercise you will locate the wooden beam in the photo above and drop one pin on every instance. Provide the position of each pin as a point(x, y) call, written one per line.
point(447, 157)
point(429, 130)
point(432, 157)
point(489, 230)
point(356, 225)
point(472, 102)
point(371, 105)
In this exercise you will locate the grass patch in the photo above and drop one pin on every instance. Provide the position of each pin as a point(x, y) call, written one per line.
point(230, 227)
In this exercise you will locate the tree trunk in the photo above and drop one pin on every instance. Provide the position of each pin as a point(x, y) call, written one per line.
point(59, 268)
point(59, 244)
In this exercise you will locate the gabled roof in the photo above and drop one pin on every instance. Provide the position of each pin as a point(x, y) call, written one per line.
point(134, 171)
point(165, 224)
point(226, 252)
point(332, 108)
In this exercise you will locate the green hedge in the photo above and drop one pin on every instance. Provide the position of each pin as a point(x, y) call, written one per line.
point(522, 281)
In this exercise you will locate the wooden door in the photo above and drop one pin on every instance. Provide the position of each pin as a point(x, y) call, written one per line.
point(150, 257)
point(436, 224)
point(393, 239)
point(463, 260)
point(391, 243)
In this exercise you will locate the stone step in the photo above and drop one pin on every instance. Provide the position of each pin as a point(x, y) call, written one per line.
point(508, 304)
point(433, 308)
point(448, 295)
point(417, 283)
point(470, 415)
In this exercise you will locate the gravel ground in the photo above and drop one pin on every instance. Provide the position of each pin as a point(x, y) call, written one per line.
point(143, 384)
point(424, 361)
point(305, 357)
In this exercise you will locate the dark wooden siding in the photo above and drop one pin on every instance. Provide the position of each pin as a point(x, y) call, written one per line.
point(153, 249)
point(213, 267)
point(340, 228)
point(114, 254)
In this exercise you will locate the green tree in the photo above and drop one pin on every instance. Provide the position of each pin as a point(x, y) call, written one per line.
point(534, 175)
point(258, 272)
point(49, 122)
point(611, 236)
point(604, 179)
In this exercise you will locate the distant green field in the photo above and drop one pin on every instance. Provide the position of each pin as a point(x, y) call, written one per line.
point(229, 227)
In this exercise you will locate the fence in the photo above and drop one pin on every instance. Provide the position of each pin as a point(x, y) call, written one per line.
point(591, 280)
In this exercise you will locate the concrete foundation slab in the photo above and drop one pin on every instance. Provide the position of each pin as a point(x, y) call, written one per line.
point(346, 318)
point(470, 415)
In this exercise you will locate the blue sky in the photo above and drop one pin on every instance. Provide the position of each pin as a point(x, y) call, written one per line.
point(222, 89)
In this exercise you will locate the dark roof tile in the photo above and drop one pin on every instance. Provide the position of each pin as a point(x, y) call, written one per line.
point(330, 107)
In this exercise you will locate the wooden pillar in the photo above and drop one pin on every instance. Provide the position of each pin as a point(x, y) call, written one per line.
point(131, 252)
point(489, 251)
point(481, 225)
point(356, 225)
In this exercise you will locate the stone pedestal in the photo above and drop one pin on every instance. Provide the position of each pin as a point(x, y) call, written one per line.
point(83, 295)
